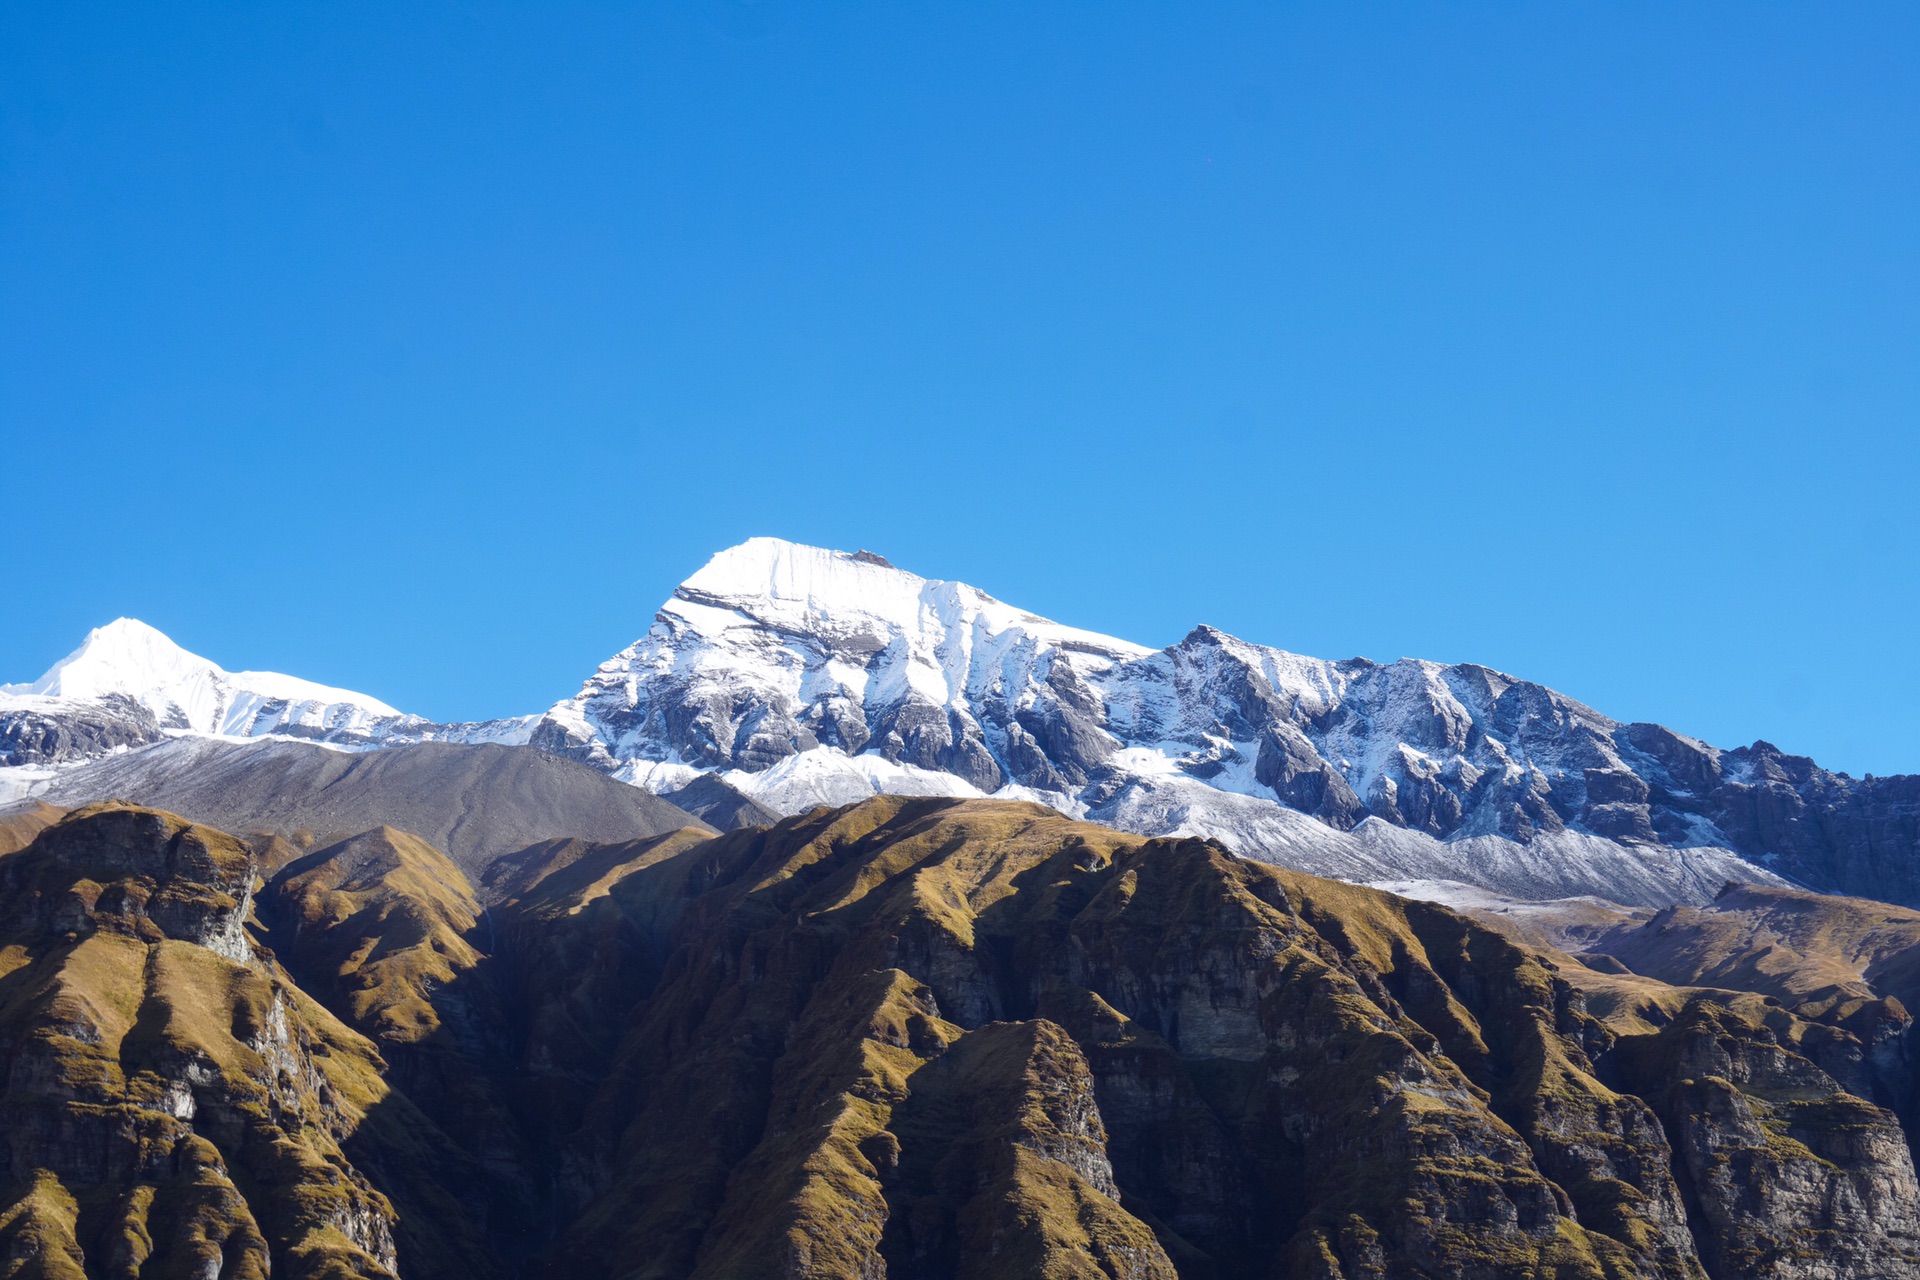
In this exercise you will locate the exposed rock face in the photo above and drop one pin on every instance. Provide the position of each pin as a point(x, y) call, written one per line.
point(1793, 1176)
point(134, 871)
point(1824, 829)
point(42, 731)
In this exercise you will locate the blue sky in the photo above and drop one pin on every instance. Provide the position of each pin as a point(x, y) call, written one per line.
point(421, 349)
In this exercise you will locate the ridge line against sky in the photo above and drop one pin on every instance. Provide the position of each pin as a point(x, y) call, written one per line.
point(422, 352)
point(320, 688)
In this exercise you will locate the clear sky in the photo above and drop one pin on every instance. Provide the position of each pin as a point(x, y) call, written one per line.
point(423, 348)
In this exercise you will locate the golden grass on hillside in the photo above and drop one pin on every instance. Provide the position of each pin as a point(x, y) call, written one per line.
point(18, 828)
point(382, 919)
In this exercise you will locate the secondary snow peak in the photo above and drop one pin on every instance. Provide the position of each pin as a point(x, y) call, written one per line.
point(131, 661)
point(127, 657)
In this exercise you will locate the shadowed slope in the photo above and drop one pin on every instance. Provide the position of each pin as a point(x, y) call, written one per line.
point(173, 1105)
point(944, 1037)
point(709, 798)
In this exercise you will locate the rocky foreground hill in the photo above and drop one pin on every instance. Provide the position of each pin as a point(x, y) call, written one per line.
point(910, 1037)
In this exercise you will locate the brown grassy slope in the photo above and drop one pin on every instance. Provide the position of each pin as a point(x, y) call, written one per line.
point(1801, 947)
point(372, 924)
point(21, 823)
point(1274, 1066)
point(386, 930)
point(182, 1107)
point(150, 1079)
point(933, 1037)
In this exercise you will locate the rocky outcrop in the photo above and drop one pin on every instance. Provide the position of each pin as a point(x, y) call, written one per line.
point(131, 871)
point(44, 731)
point(1790, 1174)
point(1820, 828)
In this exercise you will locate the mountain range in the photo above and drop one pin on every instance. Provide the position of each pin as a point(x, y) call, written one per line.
point(852, 925)
point(782, 677)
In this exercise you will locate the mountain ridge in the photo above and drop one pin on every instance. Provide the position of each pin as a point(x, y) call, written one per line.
point(799, 676)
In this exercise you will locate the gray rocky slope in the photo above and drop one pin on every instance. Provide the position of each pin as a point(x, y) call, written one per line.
point(475, 801)
point(795, 676)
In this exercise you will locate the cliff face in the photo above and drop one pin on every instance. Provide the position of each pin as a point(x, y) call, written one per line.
point(43, 731)
point(1820, 828)
point(909, 1038)
point(172, 1105)
point(1790, 1175)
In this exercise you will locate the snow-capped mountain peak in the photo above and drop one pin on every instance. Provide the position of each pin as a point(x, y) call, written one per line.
point(801, 676)
point(780, 583)
point(804, 676)
point(123, 657)
point(182, 690)
point(133, 683)
point(775, 649)
point(128, 660)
